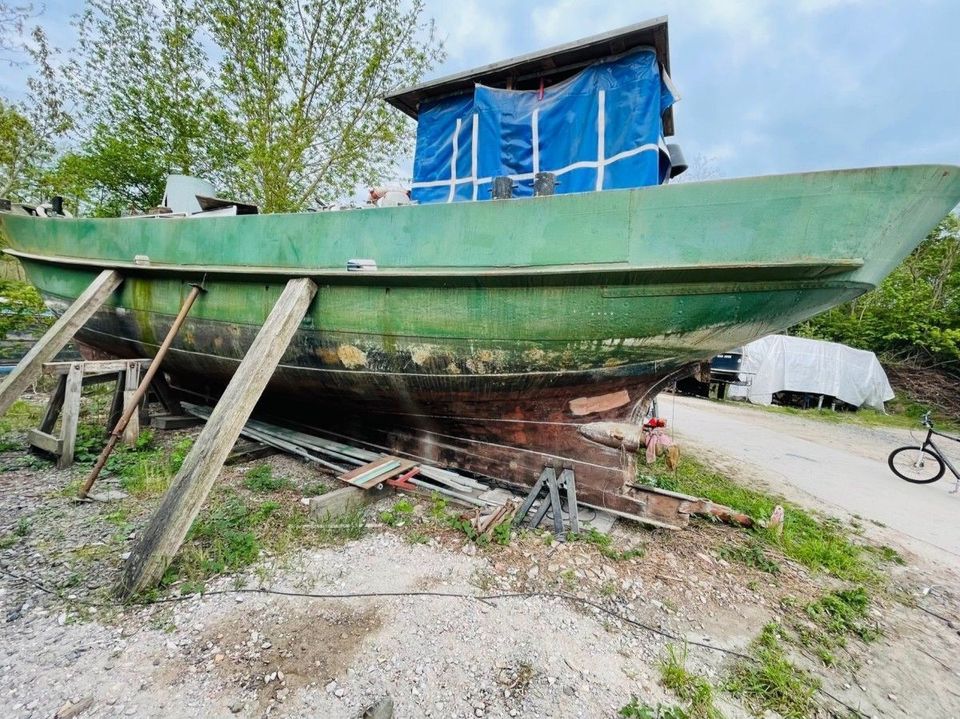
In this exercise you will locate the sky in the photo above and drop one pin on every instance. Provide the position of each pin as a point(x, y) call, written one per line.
point(767, 86)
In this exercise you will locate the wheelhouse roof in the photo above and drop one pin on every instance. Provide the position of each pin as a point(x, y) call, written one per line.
point(552, 65)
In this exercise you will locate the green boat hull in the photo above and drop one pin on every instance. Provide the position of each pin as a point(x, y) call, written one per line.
point(480, 306)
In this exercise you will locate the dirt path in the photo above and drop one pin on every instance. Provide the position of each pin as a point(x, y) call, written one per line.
point(842, 466)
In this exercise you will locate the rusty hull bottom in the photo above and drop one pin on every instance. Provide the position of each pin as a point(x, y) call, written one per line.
point(507, 438)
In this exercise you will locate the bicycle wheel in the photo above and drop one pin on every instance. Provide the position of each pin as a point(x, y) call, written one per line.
point(916, 464)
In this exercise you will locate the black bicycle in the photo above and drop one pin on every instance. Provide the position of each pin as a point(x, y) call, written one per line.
point(926, 463)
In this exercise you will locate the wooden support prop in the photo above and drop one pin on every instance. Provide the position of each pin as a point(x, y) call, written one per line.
point(134, 391)
point(71, 415)
point(160, 540)
point(55, 338)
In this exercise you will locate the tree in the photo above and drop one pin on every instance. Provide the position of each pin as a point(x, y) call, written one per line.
point(305, 81)
point(147, 105)
point(914, 314)
point(12, 19)
point(29, 130)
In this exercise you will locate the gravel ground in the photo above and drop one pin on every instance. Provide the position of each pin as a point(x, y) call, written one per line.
point(253, 654)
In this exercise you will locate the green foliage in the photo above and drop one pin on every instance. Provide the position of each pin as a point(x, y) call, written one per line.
point(260, 479)
point(21, 309)
point(751, 554)
point(399, 514)
point(819, 544)
point(339, 528)
point(635, 710)
point(315, 489)
point(693, 689)
point(222, 538)
point(148, 106)
point(843, 612)
point(30, 130)
point(604, 544)
point(304, 83)
point(772, 682)
point(144, 469)
point(914, 314)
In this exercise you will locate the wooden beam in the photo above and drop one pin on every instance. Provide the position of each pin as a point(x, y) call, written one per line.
point(343, 500)
point(161, 539)
point(131, 382)
point(54, 405)
point(71, 415)
point(45, 441)
point(95, 366)
point(56, 338)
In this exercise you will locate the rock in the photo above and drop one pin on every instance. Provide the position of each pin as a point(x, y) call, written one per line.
point(339, 692)
point(330, 687)
point(383, 709)
point(236, 707)
point(110, 495)
point(892, 697)
point(469, 549)
point(74, 709)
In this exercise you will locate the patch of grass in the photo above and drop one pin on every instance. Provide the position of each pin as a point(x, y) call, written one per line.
point(260, 479)
point(902, 414)
point(145, 470)
point(340, 528)
point(8, 540)
point(887, 554)
point(689, 687)
point(314, 489)
point(21, 417)
point(772, 682)
point(604, 544)
point(502, 532)
point(417, 538)
point(818, 544)
point(399, 514)
point(438, 507)
point(843, 612)
point(635, 710)
point(226, 536)
point(752, 554)
point(23, 527)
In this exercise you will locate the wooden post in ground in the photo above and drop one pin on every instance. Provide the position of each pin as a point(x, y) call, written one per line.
point(55, 338)
point(159, 542)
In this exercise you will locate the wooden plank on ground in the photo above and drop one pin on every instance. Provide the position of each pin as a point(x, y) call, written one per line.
point(248, 451)
point(160, 540)
point(377, 471)
point(173, 421)
point(56, 338)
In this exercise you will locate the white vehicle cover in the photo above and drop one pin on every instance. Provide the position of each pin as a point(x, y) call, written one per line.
point(779, 363)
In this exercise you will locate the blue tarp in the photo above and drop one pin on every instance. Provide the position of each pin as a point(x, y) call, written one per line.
point(598, 130)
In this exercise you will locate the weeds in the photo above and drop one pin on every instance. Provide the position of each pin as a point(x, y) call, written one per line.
point(753, 555)
point(314, 489)
point(693, 689)
point(260, 479)
point(145, 470)
point(818, 544)
point(399, 514)
point(635, 710)
point(842, 613)
point(604, 544)
point(772, 682)
point(340, 528)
